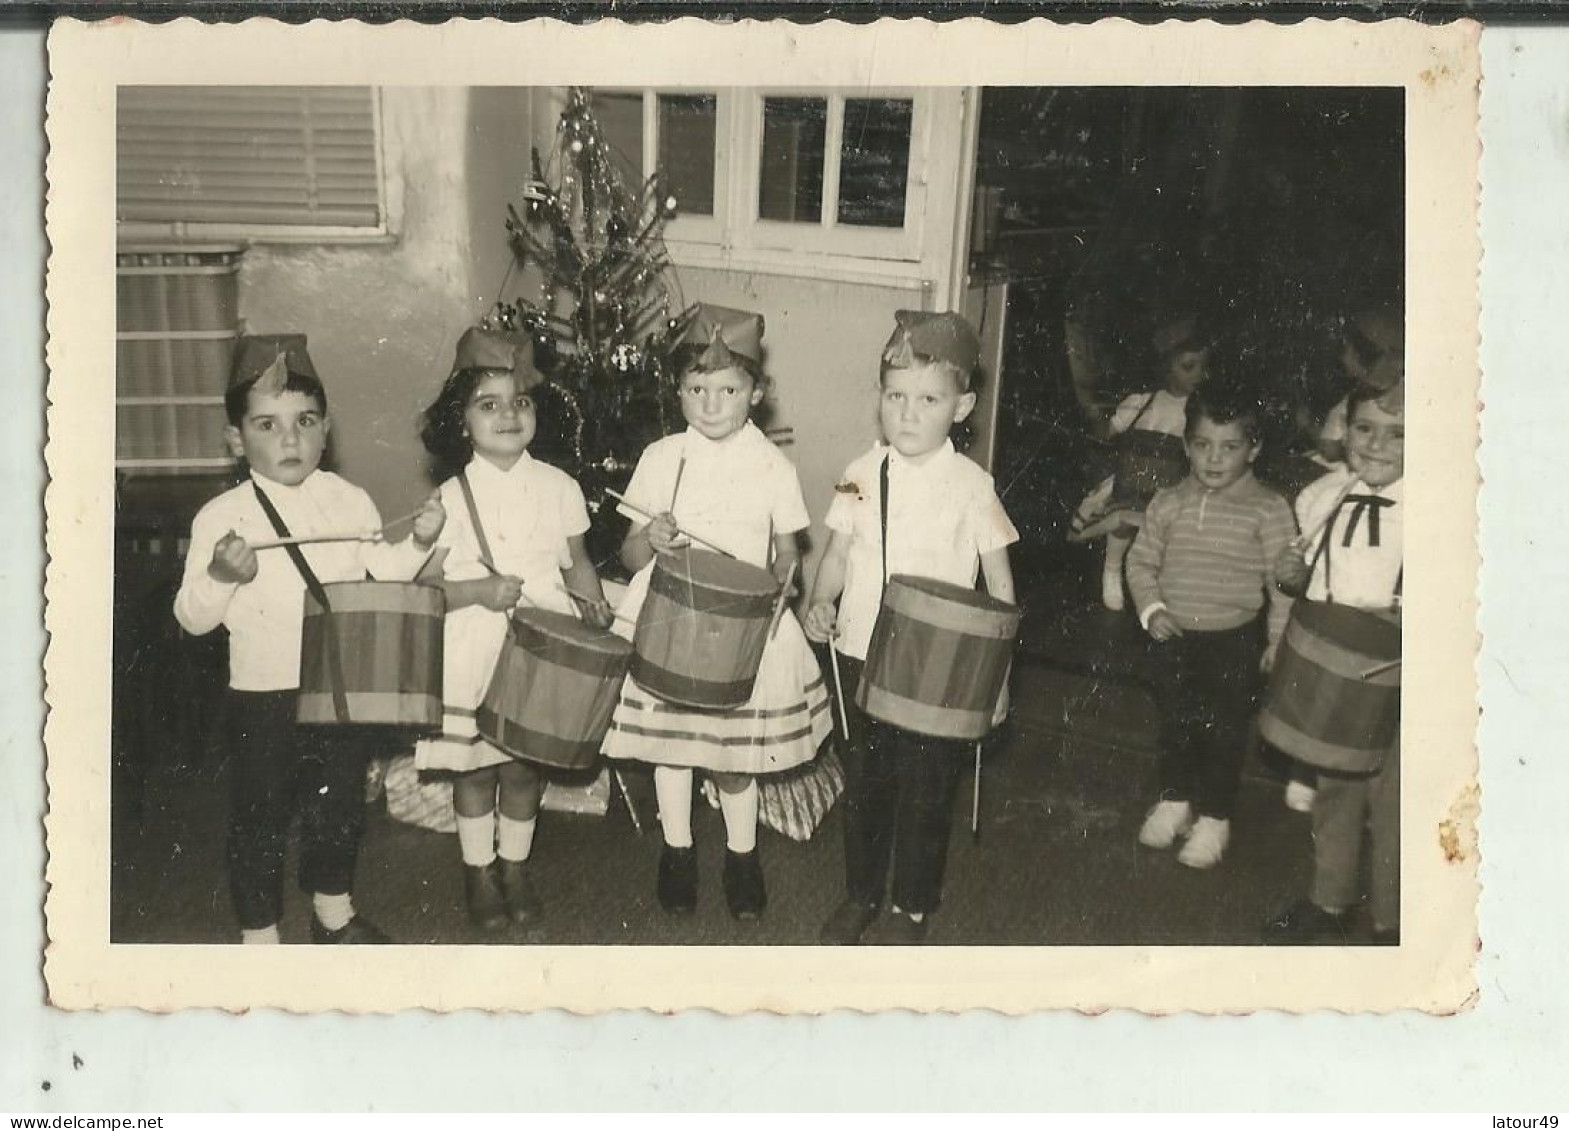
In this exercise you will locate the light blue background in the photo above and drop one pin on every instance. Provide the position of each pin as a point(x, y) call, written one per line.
point(1506, 1055)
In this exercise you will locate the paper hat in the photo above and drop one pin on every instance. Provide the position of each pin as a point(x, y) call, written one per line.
point(268, 359)
point(936, 337)
point(479, 348)
point(1176, 334)
point(725, 334)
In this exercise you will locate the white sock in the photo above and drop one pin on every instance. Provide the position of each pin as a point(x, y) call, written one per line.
point(477, 839)
point(740, 810)
point(673, 790)
point(333, 911)
point(516, 837)
point(264, 936)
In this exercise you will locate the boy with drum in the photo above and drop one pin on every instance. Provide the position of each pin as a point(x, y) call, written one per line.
point(278, 426)
point(1356, 561)
point(911, 505)
point(1198, 572)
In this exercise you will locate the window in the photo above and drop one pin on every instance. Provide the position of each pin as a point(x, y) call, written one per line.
point(676, 133)
point(287, 163)
point(768, 174)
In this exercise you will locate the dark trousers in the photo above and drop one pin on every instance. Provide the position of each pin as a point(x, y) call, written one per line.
point(898, 806)
point(1207, 686)
point(277, 769)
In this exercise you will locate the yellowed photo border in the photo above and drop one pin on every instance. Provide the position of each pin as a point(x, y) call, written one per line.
point(1432, 970)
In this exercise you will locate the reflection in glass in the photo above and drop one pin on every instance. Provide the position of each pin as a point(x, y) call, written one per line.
point(874, 161)
point(687, 124)
point(790, 182)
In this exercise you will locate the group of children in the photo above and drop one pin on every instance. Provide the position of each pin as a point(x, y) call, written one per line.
point(504, 529)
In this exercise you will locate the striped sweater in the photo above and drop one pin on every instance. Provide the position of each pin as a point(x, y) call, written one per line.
point(1209, 556)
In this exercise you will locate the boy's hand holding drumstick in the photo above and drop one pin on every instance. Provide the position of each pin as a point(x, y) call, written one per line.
point(1291, 570)
point(664, 535)
point(821, 623)
point(233, 561)
point(428, 521)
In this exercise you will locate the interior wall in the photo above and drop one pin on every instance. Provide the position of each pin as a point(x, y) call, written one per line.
point(381, 319)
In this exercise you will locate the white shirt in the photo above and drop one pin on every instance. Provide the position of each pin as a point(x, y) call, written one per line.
point(528, 512)
point(265, 614)
point(942, 516)
point(736, 493)
point(1360, 574)
point(1165, 413)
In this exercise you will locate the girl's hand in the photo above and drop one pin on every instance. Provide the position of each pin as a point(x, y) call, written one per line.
point(1291, 569)
point(1003, 704)
point(233, 560)
point(596, 613)
point(500, 594)
point(1164, 626)
point(428, 523)
point(821, 624)
point(664, 535)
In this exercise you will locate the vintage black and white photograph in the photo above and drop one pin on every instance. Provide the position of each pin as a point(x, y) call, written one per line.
point(846, 511)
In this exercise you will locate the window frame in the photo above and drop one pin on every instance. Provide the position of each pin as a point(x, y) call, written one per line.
point(158, 232)
point(684, 228)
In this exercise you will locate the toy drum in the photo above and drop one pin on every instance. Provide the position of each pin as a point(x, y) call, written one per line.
point(1146, 463)
point(1321, 707)
point(938, 658)
point(701, 633)
point(554, 689)
point(374, 656)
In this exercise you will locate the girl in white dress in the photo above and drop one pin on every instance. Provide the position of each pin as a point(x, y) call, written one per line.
point(515, 537)
point(726, 483)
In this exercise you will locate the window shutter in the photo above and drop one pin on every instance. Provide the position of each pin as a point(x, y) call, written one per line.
point(248, 155)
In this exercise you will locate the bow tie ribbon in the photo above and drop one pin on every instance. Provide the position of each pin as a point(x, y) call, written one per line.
point(1369, 505)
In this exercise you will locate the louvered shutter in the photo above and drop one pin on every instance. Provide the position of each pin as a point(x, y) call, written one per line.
point(249, 155)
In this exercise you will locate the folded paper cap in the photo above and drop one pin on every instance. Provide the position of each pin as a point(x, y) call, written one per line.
point(268, 359)
point(936, 337)
point(725, 334)
point(1179, 333)
point(480, 348)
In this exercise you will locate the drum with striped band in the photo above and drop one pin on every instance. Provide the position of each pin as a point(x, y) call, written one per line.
point(555, 687)
point(702, 629)
point(938, 658)
point(374, 656)
point(1329, 705)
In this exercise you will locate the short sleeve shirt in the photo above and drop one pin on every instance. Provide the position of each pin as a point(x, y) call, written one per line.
point(736, 493)
point(942, 516)
point(1359, 573)
point(528, 512)
point(1152, 412)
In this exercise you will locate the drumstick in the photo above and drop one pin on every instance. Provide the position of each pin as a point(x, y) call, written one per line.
point(361, 536)
point(626, 799)
point(620, 498)
point(1379, 669)
point(675, 492)
point(784, 595)
point(844, 719)
point(975, 799)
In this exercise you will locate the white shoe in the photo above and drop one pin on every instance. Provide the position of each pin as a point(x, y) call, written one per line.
point(1166, 823)
point(1206, 843)
point(1299, 796)
point(1111, 591)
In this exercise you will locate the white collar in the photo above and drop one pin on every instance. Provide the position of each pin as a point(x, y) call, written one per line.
point(747, 434)
point(1395, 492)
point(275, 490)
point(481, 468)
point(927, 467)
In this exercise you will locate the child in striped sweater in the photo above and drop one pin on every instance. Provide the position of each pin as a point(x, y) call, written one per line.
point(1199, 572)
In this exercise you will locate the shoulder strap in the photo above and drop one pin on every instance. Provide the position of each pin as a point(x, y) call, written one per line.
point(1323, 552)
point(1145, 407)
point(882, 504)
point(335, 680)
point(479, 529)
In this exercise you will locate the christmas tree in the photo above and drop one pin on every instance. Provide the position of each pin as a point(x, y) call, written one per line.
point(602, 322)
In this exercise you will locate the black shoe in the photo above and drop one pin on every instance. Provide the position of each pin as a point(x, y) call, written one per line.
point(677, 885)
point(522, 901)
point(482, 891)
point(901, 930)
point(848, 923)
point(358, 931)
point(744, 890)
point(1308, 924)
